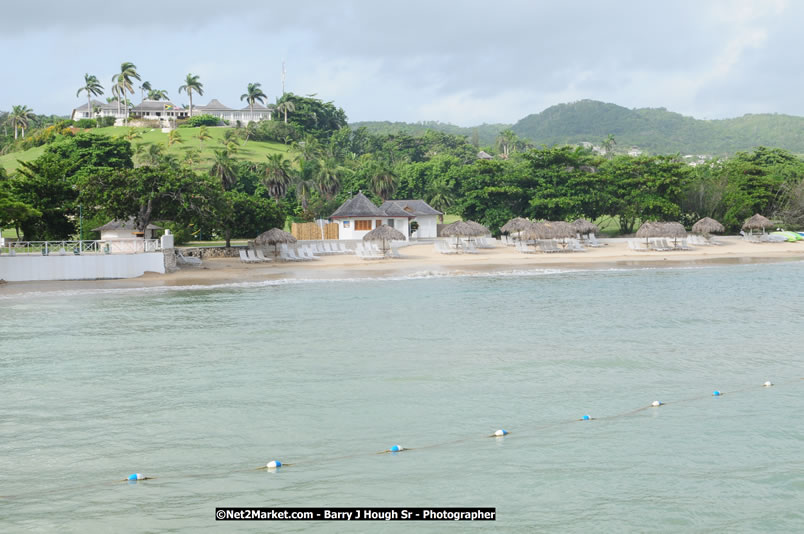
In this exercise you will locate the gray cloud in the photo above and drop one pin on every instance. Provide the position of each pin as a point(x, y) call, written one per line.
point(462, 61)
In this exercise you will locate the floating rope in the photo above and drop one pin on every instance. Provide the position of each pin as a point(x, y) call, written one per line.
point(276, 465)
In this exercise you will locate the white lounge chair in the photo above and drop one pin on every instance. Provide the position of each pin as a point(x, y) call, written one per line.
point(181, 259)
point(575, 246)
point(260, 256)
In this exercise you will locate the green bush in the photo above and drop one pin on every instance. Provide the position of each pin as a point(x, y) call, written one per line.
point(202, 120)
point(276, 131)
point(181, 233)
point(105, 122)
point(85, 123)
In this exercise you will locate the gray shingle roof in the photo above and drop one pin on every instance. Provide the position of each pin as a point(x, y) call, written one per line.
point(97, 103)
point(215, 104)
point(154, 105)
point(358, 206)
point(413, 208)
point(257, 107)
point(122, 225)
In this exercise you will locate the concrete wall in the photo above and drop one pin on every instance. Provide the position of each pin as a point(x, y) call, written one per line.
point(427, 226)
point(346, 227)
point(22, 268)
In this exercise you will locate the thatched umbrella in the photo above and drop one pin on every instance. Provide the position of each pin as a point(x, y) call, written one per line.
point(516, 224)
point(757, 221)
point(384, 233)
point(661, 229)
point(560, 230)
point(707, 226)
point(274, 237)
point(536, 230)
point(464, 229)
point(582, 226)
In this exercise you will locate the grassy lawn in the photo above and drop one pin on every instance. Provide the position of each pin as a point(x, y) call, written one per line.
point(449, 219)
point(255, 151)
point(9, 232)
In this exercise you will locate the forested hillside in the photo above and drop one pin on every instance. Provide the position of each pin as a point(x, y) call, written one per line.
point(660, 131)
point(483, 135)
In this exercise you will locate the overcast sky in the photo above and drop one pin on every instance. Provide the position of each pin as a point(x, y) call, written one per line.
point(464, 62)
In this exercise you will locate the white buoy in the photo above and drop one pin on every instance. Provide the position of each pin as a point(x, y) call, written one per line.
point(500, 433)
point(656, 403)
point(768, 384)
point(273, 464)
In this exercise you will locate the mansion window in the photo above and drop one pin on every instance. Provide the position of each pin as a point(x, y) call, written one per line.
point(362, 225)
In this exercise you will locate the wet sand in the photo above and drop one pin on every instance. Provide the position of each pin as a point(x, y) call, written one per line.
point(423, 260)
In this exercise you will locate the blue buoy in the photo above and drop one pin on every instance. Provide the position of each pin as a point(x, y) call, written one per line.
point(396, 448)
point(586, 418)
point(656, 403)
point(716, 393)
point(501, 432)
point(273, 464)
point(135, 476)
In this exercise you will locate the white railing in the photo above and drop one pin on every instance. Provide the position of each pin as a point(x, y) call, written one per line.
point(63, 248)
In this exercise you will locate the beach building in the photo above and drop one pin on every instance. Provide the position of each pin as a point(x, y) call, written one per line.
point(424, 215)
point(123, 236)
point(159, 110)
point(359, 215)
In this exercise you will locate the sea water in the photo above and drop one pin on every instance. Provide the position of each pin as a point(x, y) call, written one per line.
point(199, 387)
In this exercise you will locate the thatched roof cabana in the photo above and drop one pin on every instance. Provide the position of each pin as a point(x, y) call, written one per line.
point(707, 226)
point(536, 230)
point(757, 222)
point(517, 224)
point(661, 229)
point(582, 226)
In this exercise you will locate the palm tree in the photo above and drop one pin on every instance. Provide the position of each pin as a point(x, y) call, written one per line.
point(382, 180)
point(284, 107)
point(132, 134)
point(146, 86)
point(19, 117)
point(96, 111)
point(128, 72)
point(253, 94)
point(328, 177)
point(608, 145)
point(174, 138)
point(441, 198)
point(277, 176)
point(157, 94)
point(223, 168)
point(203, 135)
point(191, 84)
point(93, 88)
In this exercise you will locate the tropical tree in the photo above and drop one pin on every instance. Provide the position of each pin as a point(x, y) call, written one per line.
point(96, 111)
point(132, 134)
point(328, 177)
point(174, 138)
point(441, 197)
point(284, 107)
point(608, 145)
point(203, 134)
point(123, 81)
point(253, 94)
point(20, 117)
point(191, 84)
point(223, 168)
point(277, 176)
point(383, 181)
point(146, 86)
point(157, 94)
point(93, 88)
point(192, 156)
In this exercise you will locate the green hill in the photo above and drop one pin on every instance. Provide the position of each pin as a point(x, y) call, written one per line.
point(658, 130)
point(255, 151)
point(486, 133)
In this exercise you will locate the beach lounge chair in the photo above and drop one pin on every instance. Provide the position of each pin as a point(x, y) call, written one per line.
point(593, 242)
point(636, 245)
point(470, 248)
point(244, 256)
point(181, 259)
point(575, 246)
point(260, 256)
point(307, 253)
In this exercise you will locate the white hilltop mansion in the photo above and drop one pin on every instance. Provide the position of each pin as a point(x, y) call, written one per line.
point(166, 112)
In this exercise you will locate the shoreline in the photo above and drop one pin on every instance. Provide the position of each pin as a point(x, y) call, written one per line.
point(421, 260)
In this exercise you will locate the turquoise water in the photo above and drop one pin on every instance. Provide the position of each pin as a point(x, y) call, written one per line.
point(198, 387)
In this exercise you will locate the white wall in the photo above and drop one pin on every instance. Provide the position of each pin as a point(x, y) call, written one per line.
point(427, 226)
point(21, 268)
point(344, 232)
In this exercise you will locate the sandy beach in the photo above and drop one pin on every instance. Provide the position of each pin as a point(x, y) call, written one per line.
point(423, 260)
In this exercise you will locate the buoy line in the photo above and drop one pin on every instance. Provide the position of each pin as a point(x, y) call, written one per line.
point(277, 465)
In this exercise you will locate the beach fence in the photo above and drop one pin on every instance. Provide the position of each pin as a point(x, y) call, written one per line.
point(312, 231)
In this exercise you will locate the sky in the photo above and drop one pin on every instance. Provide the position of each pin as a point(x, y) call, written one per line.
point(464, 62)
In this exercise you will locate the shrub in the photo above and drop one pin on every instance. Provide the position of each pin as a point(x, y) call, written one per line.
point(202, 120)
point(276, 131)
point(85, 123)
point(105, 122)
